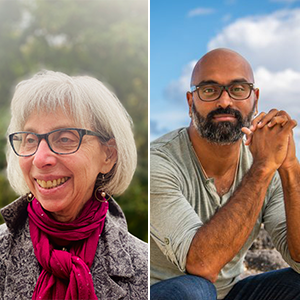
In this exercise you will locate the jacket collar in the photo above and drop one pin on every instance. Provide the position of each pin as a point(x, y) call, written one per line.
point(13, 214)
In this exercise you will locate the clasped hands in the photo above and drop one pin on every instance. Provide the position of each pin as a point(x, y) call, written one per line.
point(271, 142)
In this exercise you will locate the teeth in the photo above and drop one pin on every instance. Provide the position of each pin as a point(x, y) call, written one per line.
point(51, 184)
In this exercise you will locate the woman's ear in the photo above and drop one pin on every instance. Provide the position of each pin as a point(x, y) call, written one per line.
point(111, 155)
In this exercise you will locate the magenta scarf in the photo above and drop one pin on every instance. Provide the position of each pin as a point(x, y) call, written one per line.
point(66, 275)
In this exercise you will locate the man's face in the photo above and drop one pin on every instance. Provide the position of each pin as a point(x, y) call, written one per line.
point(220, 121)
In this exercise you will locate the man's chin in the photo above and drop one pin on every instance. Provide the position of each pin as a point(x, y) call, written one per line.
point(226, 135)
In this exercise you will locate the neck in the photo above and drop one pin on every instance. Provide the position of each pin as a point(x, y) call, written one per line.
point(217, 160)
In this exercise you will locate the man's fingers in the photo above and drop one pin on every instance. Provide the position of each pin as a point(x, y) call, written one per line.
point(281, 120)
point(291, 124)
point(272, 118)
point(246, 130)
point(255, 121)
point(267, 118)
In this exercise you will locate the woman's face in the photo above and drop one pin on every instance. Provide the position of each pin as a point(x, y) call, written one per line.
point(76, 173)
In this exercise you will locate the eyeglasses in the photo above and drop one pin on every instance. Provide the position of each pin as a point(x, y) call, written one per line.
point(212, 91)
point(61, 141)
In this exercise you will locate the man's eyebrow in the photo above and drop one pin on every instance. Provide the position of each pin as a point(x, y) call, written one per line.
point(237, 80)
point(208, 82)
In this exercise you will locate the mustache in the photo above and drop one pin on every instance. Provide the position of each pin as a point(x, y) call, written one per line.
point(226, 111)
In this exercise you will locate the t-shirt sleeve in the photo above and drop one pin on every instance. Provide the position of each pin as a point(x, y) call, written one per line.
point(173, 221)
point(275, 221)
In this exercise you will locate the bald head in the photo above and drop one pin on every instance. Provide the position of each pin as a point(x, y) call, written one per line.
point(220, 65)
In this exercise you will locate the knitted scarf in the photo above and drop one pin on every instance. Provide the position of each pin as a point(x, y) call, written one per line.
point(66, 274)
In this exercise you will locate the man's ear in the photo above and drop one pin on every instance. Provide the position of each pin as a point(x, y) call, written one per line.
point(256, 92)
point(111, 155)
point(189, 98)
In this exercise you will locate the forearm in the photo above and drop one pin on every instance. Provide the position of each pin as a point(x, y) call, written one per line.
point(220, 239)
point(290, 179)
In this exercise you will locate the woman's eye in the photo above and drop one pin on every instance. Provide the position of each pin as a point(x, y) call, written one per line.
point(64, 139)
point(30, 140)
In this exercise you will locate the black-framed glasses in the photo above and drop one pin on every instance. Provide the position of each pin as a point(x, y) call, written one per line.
point(60, 141)
point(212, 91)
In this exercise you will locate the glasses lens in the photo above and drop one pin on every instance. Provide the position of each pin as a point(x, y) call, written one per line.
point(64, 141)
point(239, 91)
point(25, 143)
point(209, 92)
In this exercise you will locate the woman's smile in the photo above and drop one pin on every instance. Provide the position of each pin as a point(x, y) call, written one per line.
point(49, 184)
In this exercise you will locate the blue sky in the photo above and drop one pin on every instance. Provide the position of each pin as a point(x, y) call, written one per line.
point(266, 32)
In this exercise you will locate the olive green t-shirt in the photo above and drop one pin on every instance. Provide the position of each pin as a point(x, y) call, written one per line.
point(182, 199)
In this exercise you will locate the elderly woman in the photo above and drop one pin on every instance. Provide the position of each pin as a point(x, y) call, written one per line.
point(72, 147)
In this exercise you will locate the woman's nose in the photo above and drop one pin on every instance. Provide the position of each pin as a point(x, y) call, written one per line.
point(44, 156)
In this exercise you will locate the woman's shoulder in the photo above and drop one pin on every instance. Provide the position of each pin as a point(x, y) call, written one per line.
point(138, 251)
point(123, 256)
point(116, 228)
point(15, 214)
point(138, 246)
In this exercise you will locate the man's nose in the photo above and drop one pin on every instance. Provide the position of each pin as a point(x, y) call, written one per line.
point(225, 100)
point(44, 156)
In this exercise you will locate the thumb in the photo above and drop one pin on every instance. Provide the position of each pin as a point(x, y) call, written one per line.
point(248, 133)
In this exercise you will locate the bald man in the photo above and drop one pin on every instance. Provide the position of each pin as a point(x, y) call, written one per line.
point(211, 191)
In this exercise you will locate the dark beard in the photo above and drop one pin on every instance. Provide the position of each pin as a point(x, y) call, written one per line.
point(223, 133)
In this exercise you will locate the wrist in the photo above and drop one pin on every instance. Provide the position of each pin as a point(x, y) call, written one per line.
point(289, 165)
point(263, 168)
point(289, 169)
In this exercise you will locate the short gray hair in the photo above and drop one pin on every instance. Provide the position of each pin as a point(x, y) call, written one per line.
point(90, 103)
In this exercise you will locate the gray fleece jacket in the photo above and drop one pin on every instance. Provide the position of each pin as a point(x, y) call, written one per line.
point(119, 270)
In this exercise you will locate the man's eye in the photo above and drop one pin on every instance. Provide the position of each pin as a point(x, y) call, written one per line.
point(208, 90)
point(238, 89)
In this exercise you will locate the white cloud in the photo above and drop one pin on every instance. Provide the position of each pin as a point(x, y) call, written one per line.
point(279, 90)
point(177, 88)
point(267, 40)
point(200, 11)
point(163, 122)
point(177, 114)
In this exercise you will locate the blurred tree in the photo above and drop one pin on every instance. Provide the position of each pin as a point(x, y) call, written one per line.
point(106, 39)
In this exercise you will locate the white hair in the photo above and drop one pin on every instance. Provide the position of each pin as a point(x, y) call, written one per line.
point(90, 103)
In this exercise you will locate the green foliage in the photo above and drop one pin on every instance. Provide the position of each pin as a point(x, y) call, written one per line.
point(106, 39)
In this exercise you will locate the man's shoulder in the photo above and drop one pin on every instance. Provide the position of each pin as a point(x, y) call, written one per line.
point(170, 141)
point(172, 154)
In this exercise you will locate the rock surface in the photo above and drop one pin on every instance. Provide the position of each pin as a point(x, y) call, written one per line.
point(262, 256)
